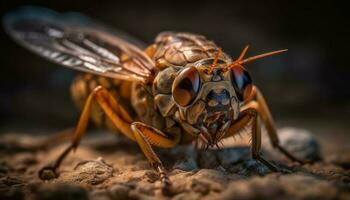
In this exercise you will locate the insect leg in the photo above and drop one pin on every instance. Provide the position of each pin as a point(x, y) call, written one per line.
point(115, 112)
point(252, 108)
point(269, 123)
point(146, 136)
point(239, 124)
point(249, 113)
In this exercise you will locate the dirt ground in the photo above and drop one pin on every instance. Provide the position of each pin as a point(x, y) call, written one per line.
point(109, 167)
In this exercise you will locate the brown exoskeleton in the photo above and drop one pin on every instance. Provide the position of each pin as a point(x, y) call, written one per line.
point(182, 88)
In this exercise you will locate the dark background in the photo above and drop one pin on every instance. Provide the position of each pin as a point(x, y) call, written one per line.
point(307, 85)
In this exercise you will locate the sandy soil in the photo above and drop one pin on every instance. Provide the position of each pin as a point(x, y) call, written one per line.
point(109, 167)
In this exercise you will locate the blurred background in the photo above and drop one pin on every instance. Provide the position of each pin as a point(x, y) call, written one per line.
point(306, 87)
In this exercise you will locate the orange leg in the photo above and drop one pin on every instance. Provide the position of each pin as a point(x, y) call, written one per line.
point(250, 114)
point(143, 134)
point(146, 136)
point(118, 115)
point(254, 109)
point(269, 123)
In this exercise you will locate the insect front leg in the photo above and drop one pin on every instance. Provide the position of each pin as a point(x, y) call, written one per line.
point(146, 136)
point(252, 109)
point(269, 123)
point(250, 114)
point(114, 111)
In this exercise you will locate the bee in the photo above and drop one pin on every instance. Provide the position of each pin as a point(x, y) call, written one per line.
point(181, 89)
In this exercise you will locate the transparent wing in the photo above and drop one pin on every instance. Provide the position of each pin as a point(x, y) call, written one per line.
point(78, 42)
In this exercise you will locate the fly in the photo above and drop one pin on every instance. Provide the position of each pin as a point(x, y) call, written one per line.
point(181, 89)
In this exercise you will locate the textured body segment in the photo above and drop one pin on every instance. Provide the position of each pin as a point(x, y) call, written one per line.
point(181, 49)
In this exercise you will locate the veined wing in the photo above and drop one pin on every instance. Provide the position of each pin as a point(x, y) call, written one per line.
point(78, 42)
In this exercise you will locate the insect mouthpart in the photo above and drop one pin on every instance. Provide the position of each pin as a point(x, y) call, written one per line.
point(214, 126)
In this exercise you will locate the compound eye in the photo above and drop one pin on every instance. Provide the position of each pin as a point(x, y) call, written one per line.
point(241, 81)
point(186, 86)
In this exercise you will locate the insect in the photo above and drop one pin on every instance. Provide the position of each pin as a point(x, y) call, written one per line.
point(182, 88)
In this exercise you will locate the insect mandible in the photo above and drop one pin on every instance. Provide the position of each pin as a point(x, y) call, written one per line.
point(182, 87)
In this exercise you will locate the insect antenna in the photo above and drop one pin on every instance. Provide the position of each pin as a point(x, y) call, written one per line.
point(262, 56)
point(241, 61)
point(215, 62)
point(243, 53)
